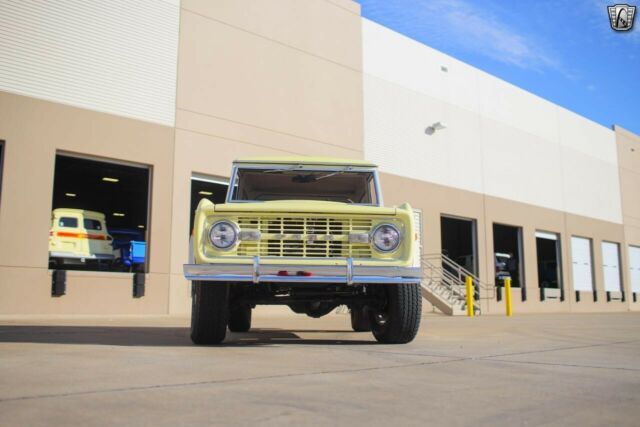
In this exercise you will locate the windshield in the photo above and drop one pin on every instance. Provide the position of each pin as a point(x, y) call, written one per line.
point(347, 186)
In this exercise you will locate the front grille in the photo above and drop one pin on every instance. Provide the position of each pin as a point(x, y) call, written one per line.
point(313, 236)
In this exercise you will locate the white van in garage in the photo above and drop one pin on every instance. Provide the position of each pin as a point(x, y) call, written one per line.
point(79, 237)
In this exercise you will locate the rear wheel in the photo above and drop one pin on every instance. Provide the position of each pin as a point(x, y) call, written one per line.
point(360, 321)
point(240, 319)
point(399, 319)
point(209, 312)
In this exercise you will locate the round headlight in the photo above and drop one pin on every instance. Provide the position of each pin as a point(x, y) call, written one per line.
point(223, 235)
point(385, 237)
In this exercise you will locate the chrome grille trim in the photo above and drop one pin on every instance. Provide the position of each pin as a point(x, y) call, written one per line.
point(305, 236)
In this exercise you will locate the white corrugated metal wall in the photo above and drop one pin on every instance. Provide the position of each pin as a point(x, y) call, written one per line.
point(113, 56)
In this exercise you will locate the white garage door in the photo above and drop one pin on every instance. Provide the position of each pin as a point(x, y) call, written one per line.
point(634, 267)
point(581, 260)
point(611, 266)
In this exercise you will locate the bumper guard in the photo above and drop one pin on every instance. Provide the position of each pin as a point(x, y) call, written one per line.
point(287, 273)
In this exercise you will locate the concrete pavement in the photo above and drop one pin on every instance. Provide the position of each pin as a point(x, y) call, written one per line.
point(527, 370)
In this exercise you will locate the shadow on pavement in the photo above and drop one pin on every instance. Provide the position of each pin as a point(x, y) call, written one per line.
point(166, 336)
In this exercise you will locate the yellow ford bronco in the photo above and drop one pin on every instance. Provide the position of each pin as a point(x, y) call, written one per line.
point(309, 233)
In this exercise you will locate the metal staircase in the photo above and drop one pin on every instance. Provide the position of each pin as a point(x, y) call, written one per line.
point(443, 285)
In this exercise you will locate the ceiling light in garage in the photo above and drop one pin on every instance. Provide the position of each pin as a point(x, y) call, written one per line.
point(70, 194)
point(141, 226)
point(109, 179)
point(118, 214)
point(205, 193)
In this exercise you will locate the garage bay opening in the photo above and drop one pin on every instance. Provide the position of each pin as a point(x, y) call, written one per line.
point(205, 187)
point(634, 271)
point(1, 162)
point(549, 265)
point(458, 241)
point(99, 218)
point(507, 248)
point(582, 266)
point(612, 272)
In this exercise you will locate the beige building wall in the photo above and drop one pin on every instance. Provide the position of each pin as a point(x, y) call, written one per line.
point(629, 161)
point(504, 156)
point(261, 78)
point(34, 131)
point(283, 78)
point(437, 200)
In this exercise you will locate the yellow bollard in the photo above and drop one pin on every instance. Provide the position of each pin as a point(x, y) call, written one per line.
point(507, 295)
point(469, 285)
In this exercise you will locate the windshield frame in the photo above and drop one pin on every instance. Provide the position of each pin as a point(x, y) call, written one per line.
point(233, 182)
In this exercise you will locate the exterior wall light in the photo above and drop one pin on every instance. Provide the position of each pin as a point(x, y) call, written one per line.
point(430, 130)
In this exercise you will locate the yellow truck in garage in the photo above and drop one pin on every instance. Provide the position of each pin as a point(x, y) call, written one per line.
point(79, 237)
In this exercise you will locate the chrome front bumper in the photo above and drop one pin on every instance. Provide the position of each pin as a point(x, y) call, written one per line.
point(287, 273)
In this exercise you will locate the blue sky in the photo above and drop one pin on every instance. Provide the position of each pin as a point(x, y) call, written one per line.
point(564, 51)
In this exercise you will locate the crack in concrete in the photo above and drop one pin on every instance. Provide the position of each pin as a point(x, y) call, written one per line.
point(227, 381)
point(578, 347)
point(453, 359)
point(567, 365)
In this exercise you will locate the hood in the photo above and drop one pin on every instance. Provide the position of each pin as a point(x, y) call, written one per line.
point(304, 206)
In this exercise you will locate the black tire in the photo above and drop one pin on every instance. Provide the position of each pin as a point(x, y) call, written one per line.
point(240, 319)
point(360, 321)
point(209, 312)
point(399, 321)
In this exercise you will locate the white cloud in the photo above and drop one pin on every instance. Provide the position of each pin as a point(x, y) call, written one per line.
point(465, 25)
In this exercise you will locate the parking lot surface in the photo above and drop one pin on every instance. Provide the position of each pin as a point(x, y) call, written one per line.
point(491, 370)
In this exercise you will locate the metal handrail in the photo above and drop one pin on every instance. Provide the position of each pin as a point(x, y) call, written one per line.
point(462, 274)
point(441, 272)
point(435, 273)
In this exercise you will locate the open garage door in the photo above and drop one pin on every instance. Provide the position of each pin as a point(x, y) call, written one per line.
point(1, 163)
point(507, 247)
point(581, 260)
point(206, 187)
point(458, 241)
point(611, 269)
point(549, 265)
point(99, 215)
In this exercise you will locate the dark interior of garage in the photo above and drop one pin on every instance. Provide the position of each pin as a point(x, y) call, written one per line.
point(548, 263)
point(120, 192)
point(202, 188)
point(507, 247)
point(458, 241)
point(1, 163)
